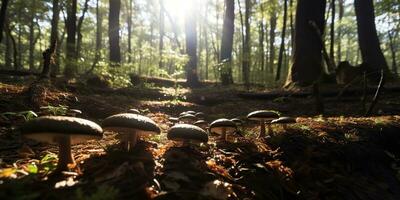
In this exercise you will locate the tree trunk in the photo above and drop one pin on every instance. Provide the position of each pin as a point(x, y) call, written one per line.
point(3, 12)
point(79, 28)
point(332, 33)
point(339, 34)
point(162, 26)
point(393, 49)
point(113, 31)
point(32, 36)
point(49, 54)
point(8, 50)
point(273, 22)
point(227, 43)
point(282, 47)
point(191, 47)
point(98, 36)
point(71, 65)
point(368, 39)
point(129, 22)
point(307, 59)
point(246, 46)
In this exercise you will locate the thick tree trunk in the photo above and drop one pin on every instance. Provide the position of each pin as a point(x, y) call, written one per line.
point(227, 42)
point(307, 59)
point(246, 46)
point(282, 47)
point(368, 39)
point(339, 34)
point(71, 65)
point(8, 50)
point(113, 31)
point(48, 55)
point(191, 47)
point(79, 29)
point(3, 12)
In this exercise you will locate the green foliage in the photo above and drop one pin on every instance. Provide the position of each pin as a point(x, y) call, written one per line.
point(49, 162)
point(59, 110)
point(117, 75)
point(26, 115)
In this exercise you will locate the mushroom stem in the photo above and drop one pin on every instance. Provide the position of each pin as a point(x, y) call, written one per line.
point(262, 131)
point(284, 126)
point(132, 140)
point(65, 157)
point(224, 136)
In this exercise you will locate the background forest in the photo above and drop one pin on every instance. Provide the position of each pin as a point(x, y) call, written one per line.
point(154, 38)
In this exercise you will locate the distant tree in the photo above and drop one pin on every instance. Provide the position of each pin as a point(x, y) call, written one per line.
point(3, 11)
point(246, 45)
point(113, 31)
point(191, 46)
point(227, 42)
point(71, 67)
point(307, 59)
point(49, 54)
point(368, 39)
point(282, 47)
point(79, 29)
point(162, 27)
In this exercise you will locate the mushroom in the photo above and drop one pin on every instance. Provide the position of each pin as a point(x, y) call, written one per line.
point(131, 126)
point(134, 111)
point(284, 121)
point(188, 119)
point(223, 127)
point(63, 131)
point(237, 121)
point(187, 133)
point(263, 116)
point(74, 112)
point(200, 115)
point(201, 123)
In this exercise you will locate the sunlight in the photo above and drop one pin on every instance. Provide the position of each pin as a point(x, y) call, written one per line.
point(178, 8)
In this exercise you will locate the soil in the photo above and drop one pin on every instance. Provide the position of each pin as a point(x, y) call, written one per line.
point(338, 155)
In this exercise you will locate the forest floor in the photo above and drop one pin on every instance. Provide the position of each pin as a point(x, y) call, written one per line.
point(340, 155)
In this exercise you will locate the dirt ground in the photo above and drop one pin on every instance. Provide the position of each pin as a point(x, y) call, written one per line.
point(340, 155)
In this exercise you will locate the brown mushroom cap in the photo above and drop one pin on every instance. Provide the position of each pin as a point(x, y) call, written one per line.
point(51, 128)
point(200, 123)
point(284, 120)
point(188, 118)
point(219, 125)
point(181, 132)
point(200, 115)
point(237, 121)
point(261, 115)
point(134, 111)
point(127, 122)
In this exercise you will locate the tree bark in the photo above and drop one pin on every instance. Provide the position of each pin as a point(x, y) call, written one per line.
point(282, 47)
point(71, 65)
point(246, 46)
point(339, 34)
point(48, 55)
point(273, 22)
point(98, 36)
point(368, 40)
point(113, 31)
point(161, 42)
point(79, 28)
point(332, 32)
point(227, 43)
point(307, 59)
point(3, 12)
point(129, 22)
point(191, 47)
point(393, 49)
point(31, 36)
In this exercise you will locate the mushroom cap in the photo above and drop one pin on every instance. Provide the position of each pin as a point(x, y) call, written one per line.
point(191, 112)
point(188, 118)
point(134, 111)
point(200, 122)
point(219, 125)
point(237, 121)
point(51, 128)
point(262, 115)
point(181, 132)
point(75, 111)
point(127, 123)
point(200, 115)
point(173, 119)
point(284, 120)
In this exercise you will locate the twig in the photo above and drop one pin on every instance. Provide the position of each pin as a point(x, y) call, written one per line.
point(377, 94)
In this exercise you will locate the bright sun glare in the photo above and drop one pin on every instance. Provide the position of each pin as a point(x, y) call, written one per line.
point(178, 8)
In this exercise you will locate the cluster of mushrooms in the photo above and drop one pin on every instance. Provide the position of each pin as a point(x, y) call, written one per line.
point(189, 128)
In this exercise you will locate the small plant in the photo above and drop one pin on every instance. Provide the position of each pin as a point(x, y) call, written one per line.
point(59, 110)
point(26, 115)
